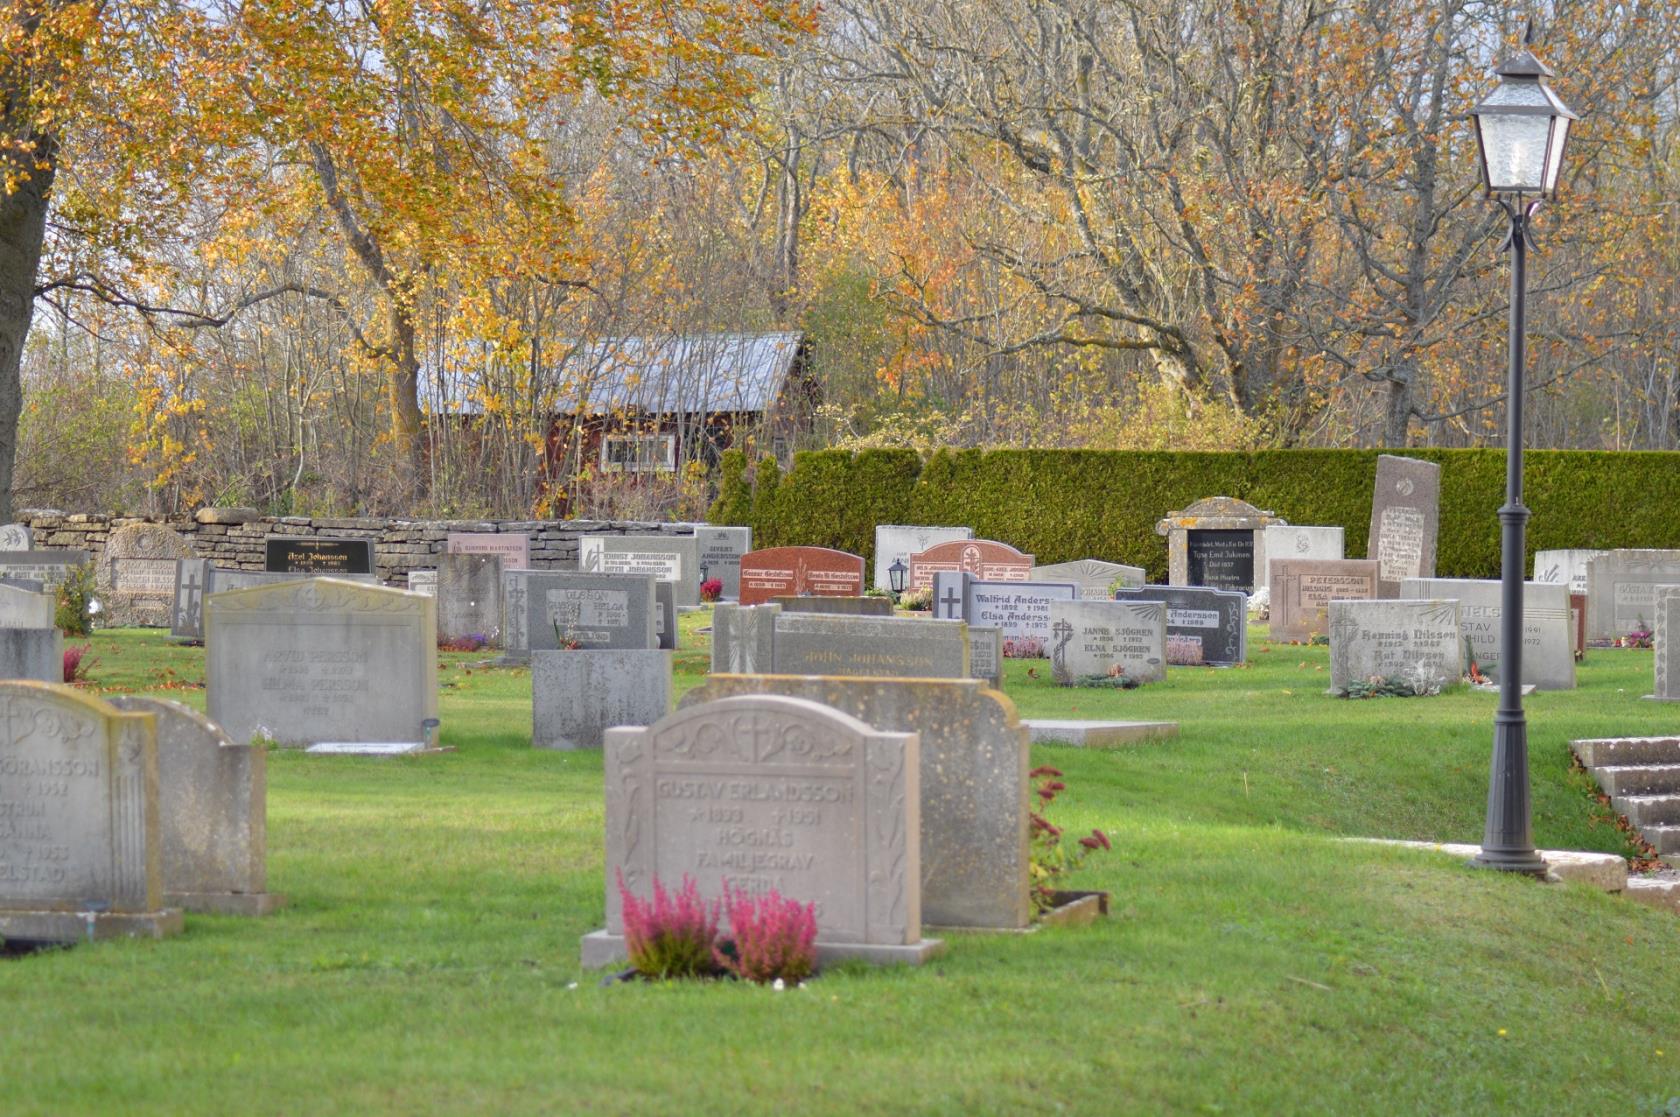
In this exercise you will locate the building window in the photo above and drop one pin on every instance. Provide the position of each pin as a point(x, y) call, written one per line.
point(638, 453)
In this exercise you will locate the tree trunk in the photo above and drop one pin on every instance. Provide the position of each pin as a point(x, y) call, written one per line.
point(23, 224)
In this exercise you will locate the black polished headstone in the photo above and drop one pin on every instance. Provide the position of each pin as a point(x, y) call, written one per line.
point(1217, 619)
point(1221, 559)
point(317, 556)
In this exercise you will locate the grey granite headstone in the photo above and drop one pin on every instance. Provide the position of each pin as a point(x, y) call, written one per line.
point(1289, 541)
point(1104, 637)
point(32, 653)
point(322, 659)
point(576, 696)
point(668, 558)
point(1666, 613)
point(1302, 590)
point(1405, 517)
point(1568, 566)
point(80, 855)
point(760, 792)
point(426, 582)
point(514, 548)
point(1414, 639)
point(1094, 579)
point(1548, 633)
point(469, 596)
point(1621, 587)
point(743, 638)
point(897, 542)
point(516, 616)
point(49, 567)
point(837, 606)
point(16, 537)
point(974, 785)
point(213, 812)
point(1019, 610)
point(889, 647)
point(985, 655)
point(599, 611)
point(665, 628)
point(720, 550)
point(1208, 626)
point(26, 608)
point(137, 574)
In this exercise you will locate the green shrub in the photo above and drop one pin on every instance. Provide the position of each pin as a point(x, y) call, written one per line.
point(74, 616)
point(1061, 505)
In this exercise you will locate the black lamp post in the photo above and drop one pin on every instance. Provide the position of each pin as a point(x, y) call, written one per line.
point(1521, 128)
point(895, 576)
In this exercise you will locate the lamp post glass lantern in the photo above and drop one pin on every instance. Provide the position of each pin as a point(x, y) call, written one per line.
point(1521, 130)
point(895, 576)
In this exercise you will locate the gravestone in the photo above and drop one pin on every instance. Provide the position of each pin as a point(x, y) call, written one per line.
point(469, 596)
point(22, 607)
point(1666, 619)
point(1094, 579)
point(1020, 611)
point(897, 542)
point(516, 619)
point(1289, 541)
point(1104, 637)
point(513, 548)
point(668, 558)
point(32, 653)
point(837, 606)
point(1414, 639)
point(137, 575)
point(974, 785)
point(743, 638)
point(984, 560)
point(1405, 516)
point(1548, 658)
point(1567, 566)
point(213, 813)
point(322, 659)
point(720, 550)
point(985, 655)
point(1211, 543)
point(48, 567)
point(577, 695)
point(16, 537)
point(80, 854)
point(1621, 590)
point(312, 555)
point(601, 612)
point(424, 581)
point(195, 579)
point(1206, 626)
point(797, 572)
point(887, 647)
point(763, 792)
point(665, 630)
point(1302, 590)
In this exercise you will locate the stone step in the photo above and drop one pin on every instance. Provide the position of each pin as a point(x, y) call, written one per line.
point(1657, 892)
point(1601, 751)
point(1639, 779)
point(1648, 810)
point(1666, 839)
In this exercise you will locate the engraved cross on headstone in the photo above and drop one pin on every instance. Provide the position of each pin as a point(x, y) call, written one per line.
point(192, 583)
point(950, 605)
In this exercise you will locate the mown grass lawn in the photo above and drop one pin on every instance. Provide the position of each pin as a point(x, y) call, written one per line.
point(1254, 964)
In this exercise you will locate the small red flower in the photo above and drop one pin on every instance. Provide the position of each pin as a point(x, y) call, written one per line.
point(1101, 839)
point(1043, 770)
point(1088, 843)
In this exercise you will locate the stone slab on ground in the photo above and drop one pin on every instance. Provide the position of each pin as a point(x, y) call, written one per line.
point(366, 748)
point(89, 926)
point(1097, 734)
point(1659, 890)
point(603, 948)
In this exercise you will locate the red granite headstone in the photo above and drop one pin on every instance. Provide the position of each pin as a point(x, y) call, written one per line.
point(986, 559)
point(799, 572)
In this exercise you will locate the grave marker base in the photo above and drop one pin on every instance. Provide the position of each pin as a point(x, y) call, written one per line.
point(75, 927)
point(601, 949)
point(227, 903)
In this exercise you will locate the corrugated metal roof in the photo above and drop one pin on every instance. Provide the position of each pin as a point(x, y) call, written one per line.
point(658, 375)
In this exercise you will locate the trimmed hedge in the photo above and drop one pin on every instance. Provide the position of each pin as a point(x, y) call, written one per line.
point(1062, 505)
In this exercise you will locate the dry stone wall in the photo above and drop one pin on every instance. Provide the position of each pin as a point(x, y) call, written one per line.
point(233, 537)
